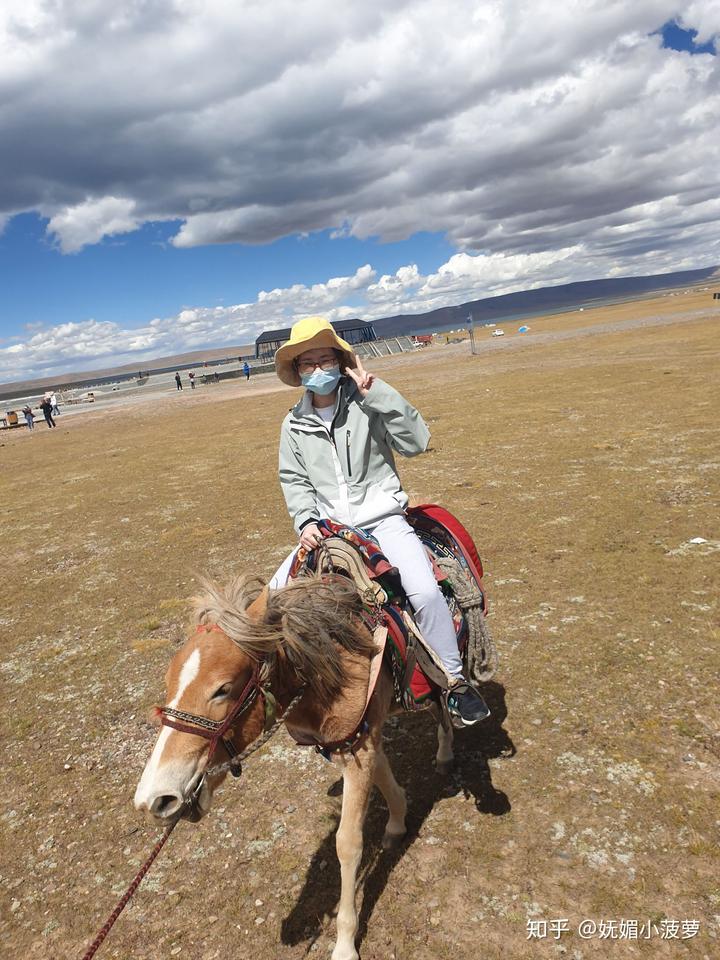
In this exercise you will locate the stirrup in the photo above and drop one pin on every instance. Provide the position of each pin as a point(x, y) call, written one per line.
point(456, 718)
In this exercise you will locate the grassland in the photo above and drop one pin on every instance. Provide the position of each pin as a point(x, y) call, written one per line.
point(585, 466)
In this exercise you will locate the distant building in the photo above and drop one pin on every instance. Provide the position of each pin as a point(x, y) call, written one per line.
point(354, 331)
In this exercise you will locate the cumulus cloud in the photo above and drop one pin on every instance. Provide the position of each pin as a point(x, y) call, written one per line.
point(90, 344)
point(549, 142)
point(90, 221)
point(511, 127)
point(703, 16)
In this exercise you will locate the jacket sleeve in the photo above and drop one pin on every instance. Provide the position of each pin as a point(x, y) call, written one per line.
point(299, 493)
point(405, 430)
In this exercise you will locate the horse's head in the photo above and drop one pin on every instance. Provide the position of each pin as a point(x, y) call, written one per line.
point(204, 681)
point(214, 681)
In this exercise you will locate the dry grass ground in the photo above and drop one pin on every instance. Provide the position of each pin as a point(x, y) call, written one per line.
point(585, 467)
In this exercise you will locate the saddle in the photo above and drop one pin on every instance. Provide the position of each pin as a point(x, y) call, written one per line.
point(418, 673)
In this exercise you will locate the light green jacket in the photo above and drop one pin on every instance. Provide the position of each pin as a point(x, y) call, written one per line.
point(346, 471)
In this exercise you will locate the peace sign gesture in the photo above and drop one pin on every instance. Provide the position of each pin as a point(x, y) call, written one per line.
point(363, 379)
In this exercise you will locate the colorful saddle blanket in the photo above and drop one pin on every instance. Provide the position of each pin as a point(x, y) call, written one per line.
point(457, 567)
point(375, 562)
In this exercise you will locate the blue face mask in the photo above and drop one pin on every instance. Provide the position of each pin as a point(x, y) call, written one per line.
point(321, 381)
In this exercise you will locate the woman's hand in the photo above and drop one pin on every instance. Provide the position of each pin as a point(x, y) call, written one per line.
point(310, 536)
point(363, 379)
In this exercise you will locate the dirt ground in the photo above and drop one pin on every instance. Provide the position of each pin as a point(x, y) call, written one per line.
point(584, 459)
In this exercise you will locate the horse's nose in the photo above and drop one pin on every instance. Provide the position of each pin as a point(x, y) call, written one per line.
point(166, 805)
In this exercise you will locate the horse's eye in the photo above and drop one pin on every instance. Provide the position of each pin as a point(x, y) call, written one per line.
point(222, 691)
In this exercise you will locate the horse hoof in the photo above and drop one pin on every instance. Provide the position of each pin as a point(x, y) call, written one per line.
point(444, 767)
point(391, 841)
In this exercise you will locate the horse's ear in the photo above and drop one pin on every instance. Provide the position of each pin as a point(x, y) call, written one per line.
point(250, 589)
point(273, 612)
point(234, 598)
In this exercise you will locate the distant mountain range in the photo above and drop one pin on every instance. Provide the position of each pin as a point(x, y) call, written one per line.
point(585, 293)
point(525, 303)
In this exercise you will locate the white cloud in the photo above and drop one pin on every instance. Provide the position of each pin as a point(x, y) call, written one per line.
point(90, 344)
point(703, 16)
point(250, 122)
point(88, 222)
point(548, 141)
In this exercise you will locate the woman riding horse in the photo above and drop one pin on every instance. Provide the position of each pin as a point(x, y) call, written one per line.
point(302, 651)
point(336, 463)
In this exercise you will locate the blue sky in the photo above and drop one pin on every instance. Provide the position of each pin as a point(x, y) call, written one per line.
point(675, 37)
point(182, 175)
point(131, 278)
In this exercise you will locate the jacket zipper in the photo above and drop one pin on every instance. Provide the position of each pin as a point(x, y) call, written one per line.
point(347, 452)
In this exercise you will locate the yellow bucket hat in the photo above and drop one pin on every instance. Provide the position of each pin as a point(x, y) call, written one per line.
point(309, 334)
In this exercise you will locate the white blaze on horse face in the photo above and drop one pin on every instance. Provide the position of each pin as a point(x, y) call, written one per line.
point(171, 777)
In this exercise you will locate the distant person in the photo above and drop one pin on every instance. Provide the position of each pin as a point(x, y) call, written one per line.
point(191, 378)
point(217, 377)
point(246, 370)
point(46, 407)
point(178, 380)
point(29, 417)
point(53, 401)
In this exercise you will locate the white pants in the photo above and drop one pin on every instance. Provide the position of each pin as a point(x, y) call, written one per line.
point(404, 550)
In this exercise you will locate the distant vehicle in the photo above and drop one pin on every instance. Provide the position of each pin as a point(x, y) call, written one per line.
point(498, 333)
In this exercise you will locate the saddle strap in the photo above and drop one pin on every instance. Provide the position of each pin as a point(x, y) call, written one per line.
point(356, 733)
point(429, 662)
point(410, 661)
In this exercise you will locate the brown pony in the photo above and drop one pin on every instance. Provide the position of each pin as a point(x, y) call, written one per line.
point(255, 651)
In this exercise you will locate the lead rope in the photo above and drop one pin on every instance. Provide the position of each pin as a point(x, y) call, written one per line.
point(123, 902)
point(213, 771)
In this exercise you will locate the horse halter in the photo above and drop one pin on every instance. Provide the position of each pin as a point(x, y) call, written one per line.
point(215, 730)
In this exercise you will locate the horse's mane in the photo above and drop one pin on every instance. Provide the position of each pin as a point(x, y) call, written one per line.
point(311, 620)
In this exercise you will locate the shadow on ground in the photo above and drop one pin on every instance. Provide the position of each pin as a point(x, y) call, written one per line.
point(411, 744)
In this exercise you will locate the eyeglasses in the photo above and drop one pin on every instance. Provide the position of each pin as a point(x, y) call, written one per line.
point(307, 366)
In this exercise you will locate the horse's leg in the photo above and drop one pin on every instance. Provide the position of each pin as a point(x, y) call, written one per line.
point(394, 797)
point(444, 758)
point(357, 784)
